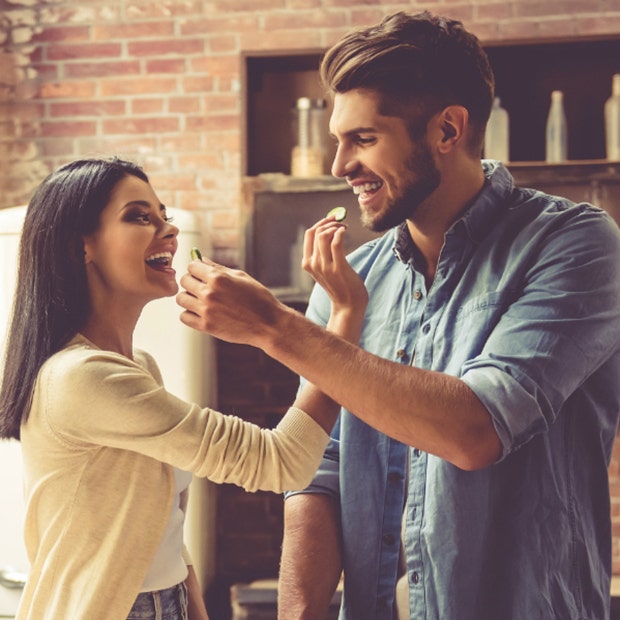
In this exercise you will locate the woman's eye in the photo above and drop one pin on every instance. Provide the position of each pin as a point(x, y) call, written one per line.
point(168, 219)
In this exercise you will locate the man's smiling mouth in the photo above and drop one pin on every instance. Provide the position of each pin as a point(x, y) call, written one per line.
point(367, 187)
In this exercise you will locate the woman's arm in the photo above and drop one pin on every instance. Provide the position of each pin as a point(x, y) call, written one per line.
point(196, 608)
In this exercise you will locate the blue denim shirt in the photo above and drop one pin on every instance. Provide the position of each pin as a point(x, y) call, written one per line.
point(525, 309)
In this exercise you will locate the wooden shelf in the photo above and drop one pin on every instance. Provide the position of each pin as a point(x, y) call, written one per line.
point(280, 207)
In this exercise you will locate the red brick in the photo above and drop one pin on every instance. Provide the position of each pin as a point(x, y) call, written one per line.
point(67, 90)
point(216, 122)
point(191, 200)
point(216, 65)
point(68, 128)
point(222, 24)
point(227, 102)
point(132, 125)
point(81, 51)
point(132, 30)
point(285, 39)
point(492, 11)
point(154, 105)
point(168, 9)
point(304, 4)
point(205, 161)
point(138, 86)
point(88, 108)
point(127, 145)
point(166, 46)
point(101, 69)
point(21, 111)
point(181, 143)
point(551, 7)
point(197, 84)
point(58, 147)
point(224, 219)
point(166, 65)
point(226, 43)
point(365, 17)
point(303, 20)
point(256, 6)
point(184, 105)
point(54, 34)
point(600, 25)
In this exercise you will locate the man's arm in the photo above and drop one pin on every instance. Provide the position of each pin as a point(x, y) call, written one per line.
point(311, 557)
point(432, 411)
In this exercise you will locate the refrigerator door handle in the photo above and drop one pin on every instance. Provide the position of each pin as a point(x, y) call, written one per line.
point(12, 579)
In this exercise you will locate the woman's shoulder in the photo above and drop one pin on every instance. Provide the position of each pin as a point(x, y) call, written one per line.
point(81, 361)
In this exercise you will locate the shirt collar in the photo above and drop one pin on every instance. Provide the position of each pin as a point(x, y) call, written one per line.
point(478, 218)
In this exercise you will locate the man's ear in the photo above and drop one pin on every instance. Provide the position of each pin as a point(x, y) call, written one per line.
point(453, 122)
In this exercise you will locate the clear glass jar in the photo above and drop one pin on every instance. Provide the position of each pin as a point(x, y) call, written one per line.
point(308, 155)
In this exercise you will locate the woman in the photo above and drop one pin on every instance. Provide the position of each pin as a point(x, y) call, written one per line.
point(108, 453)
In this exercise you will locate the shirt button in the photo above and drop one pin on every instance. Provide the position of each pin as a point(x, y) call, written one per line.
point(417, 295)
point(426, 328)
point(388, 539)
point(416, 452)
point(415, 578)
point(400, 353)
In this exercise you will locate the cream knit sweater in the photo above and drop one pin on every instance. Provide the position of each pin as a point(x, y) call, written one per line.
point(98, 448)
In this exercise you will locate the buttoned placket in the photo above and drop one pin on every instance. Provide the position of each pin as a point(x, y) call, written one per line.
point(434, 301)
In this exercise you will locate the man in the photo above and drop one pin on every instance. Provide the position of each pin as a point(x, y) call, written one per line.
point(468, 469)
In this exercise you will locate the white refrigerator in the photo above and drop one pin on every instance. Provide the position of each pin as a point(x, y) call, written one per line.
point(187, 362)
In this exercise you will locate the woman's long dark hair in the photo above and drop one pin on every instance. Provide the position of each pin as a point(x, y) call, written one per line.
point(51, 302)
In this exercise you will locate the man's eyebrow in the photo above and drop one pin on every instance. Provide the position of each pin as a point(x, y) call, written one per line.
point(357, 130)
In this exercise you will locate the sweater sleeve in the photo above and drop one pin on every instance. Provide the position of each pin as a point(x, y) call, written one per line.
point(90, 398)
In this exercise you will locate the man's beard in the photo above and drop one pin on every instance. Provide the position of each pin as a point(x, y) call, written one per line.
point(427, 179)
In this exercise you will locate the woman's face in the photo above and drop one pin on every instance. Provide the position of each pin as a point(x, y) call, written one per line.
point(129, 257)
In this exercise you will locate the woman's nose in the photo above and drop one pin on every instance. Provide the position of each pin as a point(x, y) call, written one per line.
point(169, 230)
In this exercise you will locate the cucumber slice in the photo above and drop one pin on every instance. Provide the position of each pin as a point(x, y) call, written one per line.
point(339, 213)
point(195, 254)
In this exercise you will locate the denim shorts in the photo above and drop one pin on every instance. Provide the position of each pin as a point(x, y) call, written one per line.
point(168, 604)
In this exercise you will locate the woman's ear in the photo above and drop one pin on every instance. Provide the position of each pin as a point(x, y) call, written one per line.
point(86, 250)
point(453, 122)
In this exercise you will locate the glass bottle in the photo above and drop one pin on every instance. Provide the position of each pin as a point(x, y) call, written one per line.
point(612, 120)
point(307, 158)
point(497, 135)
point(556, 138)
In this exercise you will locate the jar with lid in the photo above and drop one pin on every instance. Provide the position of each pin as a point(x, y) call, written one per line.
point(308, 155)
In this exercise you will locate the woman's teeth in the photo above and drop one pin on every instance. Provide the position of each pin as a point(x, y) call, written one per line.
point(367, 187)
point(161, 258)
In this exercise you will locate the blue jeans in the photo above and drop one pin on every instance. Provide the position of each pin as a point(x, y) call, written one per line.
point(168, 604)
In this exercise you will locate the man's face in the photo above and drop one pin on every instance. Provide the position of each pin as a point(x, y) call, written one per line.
point(391, 174)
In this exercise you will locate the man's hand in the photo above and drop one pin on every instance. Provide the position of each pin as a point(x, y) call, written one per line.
point(227, 303)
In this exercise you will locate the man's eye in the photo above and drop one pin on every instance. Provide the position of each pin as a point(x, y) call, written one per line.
point(362, 140)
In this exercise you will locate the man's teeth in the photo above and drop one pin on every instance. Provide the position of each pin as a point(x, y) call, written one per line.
point(161, 258)
point(367, 187)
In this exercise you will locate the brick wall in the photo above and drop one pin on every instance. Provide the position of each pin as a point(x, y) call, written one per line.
point(159, 82)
